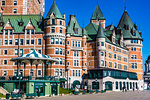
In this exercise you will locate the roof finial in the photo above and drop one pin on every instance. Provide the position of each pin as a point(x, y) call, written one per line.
point(125, 7)
point(97, 1)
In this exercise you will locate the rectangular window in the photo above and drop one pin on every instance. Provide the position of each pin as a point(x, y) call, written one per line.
point(27, 42)
point(4, 73)
point(5, 62)
point(10, 32)
point(61, 29)
point(5, 52)
point(16, 51)
point(15, 11)
point(79, 73)
point(57, 41)
point(57, 62)
point(125, 67)
point(76, 72)
point(60, 22)
point(79, 45)
point(52, 40)
point(21, 41)
point(60, 72)
point(56, 50)
point(102, 43)
point(53, 30)
point(39, 41)
point(61, 61)
point(56, 72)
point(32, 41)
point(3, 3)
point(39, 72)
point(28, 31)
point(60, 40)
point(10, 41)
point(6, 42)
point(115, 65)
point(32, 31)
point(110, 64)
point(16, 41)
point(53, 21)
point(21, 51)
point(15, 2)
point(73, 73)
point(6, 32)
point(31, 72)
point(60, 51)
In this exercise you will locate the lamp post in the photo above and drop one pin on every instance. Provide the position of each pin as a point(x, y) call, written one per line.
point(69, 84)
point(19, 78)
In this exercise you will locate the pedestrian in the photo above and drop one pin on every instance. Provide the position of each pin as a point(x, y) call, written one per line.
point(123, 89)
point(133, 88)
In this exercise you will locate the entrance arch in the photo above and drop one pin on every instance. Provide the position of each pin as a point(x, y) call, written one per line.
point(108, 86)
point(75, 83)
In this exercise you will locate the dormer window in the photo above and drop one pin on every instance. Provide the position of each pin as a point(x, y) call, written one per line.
point(134, 33)
point(126, 27)
point(76, 30)
point(21, 22)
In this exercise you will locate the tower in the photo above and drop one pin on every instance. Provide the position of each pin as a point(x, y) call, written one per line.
point(100, 44)
point(133, 41)
point(98, 17)
point(55, 39)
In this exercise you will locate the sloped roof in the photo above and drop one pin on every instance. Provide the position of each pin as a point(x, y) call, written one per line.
point(54, 9)
point(97, 14)
point(100, 33)
point(14, 19)
point(92, 31)
point(126, 20)
point(73, 23)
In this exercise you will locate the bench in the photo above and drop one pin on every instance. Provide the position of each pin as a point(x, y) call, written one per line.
point(76, 92)
point(15, 95)
point(31, 95)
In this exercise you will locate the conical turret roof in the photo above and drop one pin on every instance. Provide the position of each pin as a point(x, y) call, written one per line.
point(100, 33)
point(54, 9)
point(97, 14)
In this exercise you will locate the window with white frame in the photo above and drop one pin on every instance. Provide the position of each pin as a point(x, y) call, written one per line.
point(39, 72)
point(60, 40)
point(5, 52)
point(16, 41)
point(6, 42)
point(5, 62)
point(3, 3)
point(52, 29)
point(59, 72)
point(52, 40)
point(4, 73)
point(110, 64)
point(115, 65)
point(134, 65)
point(39, 41)
point(61, 30)
point(76, 43)
point(56, 50)
point(76, 53)
point(133, 56)
point(76, 62)
point(57, 41)
point(16, 51)
point(31, 72)
point(102, 62)
point(125, 67)
point(102, 53)
point(14, 11)
point(15, 2)
point(21, 51)
point(10, 42)
point(119, 66)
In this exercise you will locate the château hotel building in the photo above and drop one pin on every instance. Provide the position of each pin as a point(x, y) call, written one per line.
point(108, 55)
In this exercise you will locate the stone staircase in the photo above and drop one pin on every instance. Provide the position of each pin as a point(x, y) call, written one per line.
point(3, 91)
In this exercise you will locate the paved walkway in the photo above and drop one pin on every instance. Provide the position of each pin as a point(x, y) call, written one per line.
point(136, 95)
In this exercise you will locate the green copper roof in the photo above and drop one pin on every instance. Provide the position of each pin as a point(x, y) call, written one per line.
point(97, 14)
point(74, 25)
point(126, 20)
point(92, 31)
point(54, 9)
point(100, 33)
point(14, 19)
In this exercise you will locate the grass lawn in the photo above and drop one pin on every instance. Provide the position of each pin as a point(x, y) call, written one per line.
point(2, 96)
point(64, 91)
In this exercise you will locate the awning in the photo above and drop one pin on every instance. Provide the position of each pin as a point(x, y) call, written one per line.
point(62, 80)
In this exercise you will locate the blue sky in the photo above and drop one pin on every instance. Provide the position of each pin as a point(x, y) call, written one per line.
point(139, 11)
